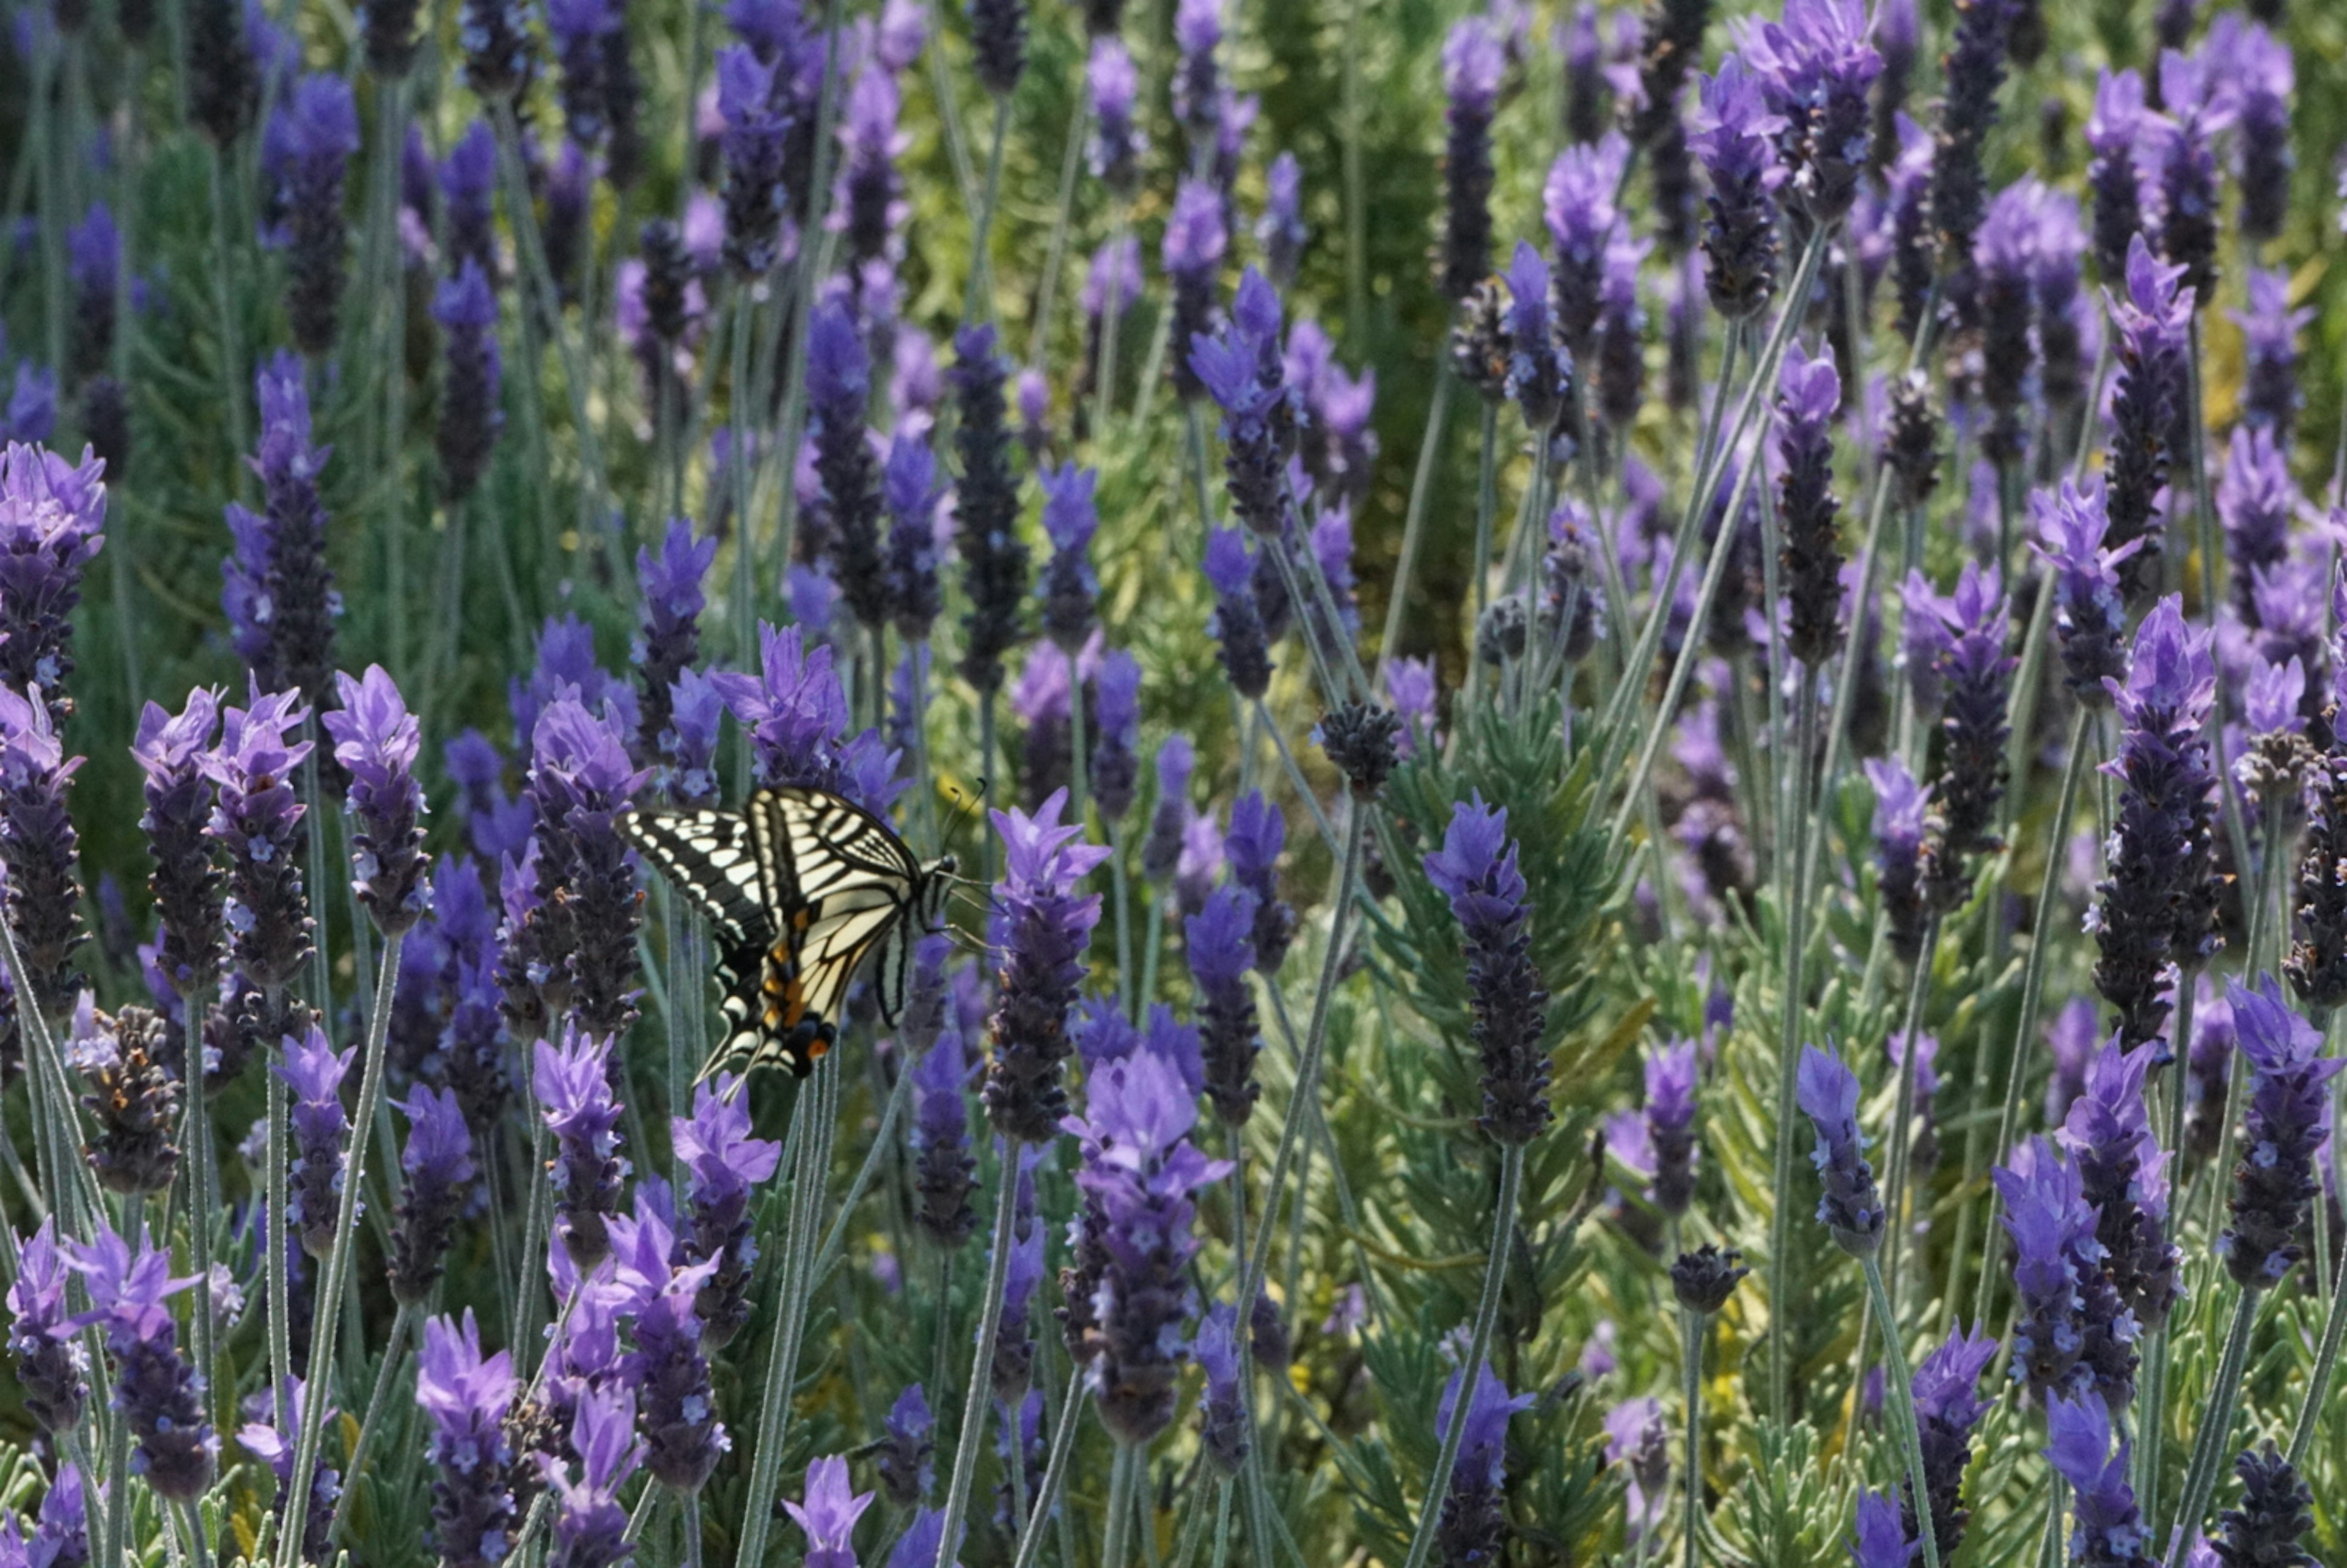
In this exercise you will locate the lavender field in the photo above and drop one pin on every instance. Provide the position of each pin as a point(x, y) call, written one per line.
point(1163, 783)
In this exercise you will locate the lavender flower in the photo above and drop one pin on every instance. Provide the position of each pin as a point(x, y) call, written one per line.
point(1142, 1169)
point(1976, 672)
point(223, 80)
point(1947, 1408)
point(683, 1437)
point(1117, 143)
point(2256, 502)
point(1046, 926)
point(1196, 238)
point(1220, 940)
point(1280, 230)
point(156, 1391)
point(1258, 834)
point(1578, 201)
point(2270, 396)
point(2286, 1125)
point(1176, 759)
point(724, 1164)
point(1733, 139)
point(40, 849)
point(1471, 64)
point(438, 1163)
point(468, 191)
point(494, 37)
point(998, 44)
point(590, 1528)
point(1538, 367)
point(2152, 320)
point(134, 1097)
point(1476, 869)
point(93, 267)
point(1880, 1538)
point(51, 514)
point(1222, 1420)
point(573, 1082)
point(1474, 1526)
point(943, 1173)
point(580, 781)
point(2110, 1530)
point(1703, 1280)
point(1901, 806)
point(758, 125)
point(52, 1366)
point(1069, 588)
point(994, 560)
point(2122, 1172)
point(579, 29)
point(315, 1070)
point(1115, 759)
point(838, 386)
point(1671, 35)
point(1241, 369)
point(467, 1397)
point(1239, 623)
point(1809, 393)
point(278, 585)
point(2089, 615)
point(908, 483)
point(2004, 276)
point(2276, 1514)
point(2261, 77)
point(2073, 1338)
point(1815, 69)
point(466, 308)
point(2114, 132)
point(668, 640)
point(2157, 903)
point(1851, 1209)
point(376, 740)
point(311, 139)
point(2181, 142)
point(257, 818)
point(904, 1464)
point(1620, 375)
point(61, 1540)
point(1974, 69)
point(793, 710)
point(1197, 88)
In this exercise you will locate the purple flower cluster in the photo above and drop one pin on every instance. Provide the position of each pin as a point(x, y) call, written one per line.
point(2288, 1123)
point(52, 518)
point(1477, 870)
point(1045, 927)
point(40, 849)
point(52, 1368)
point(572, 1082)
point(724, 1164)
point(440, 1169)
point(2073, 1338)
point(278, 591)
point(313, 1069)
point(156, 1391)
point(1851, 1208)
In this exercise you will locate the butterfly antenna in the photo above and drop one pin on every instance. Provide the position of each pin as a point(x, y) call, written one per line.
point(966, 807)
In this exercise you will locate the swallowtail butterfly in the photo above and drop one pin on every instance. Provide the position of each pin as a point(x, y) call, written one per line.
point(800, 886)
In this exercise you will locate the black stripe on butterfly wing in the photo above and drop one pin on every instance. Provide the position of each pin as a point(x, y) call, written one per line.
point(888, 969)
point(838, 942)
point(760, 1030)
point(708, 856)
point(832, 842)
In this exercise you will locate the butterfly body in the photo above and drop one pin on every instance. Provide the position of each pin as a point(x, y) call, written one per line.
point(800, 888)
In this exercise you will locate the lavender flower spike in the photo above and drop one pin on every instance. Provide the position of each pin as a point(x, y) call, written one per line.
point(589, 1526)
point(1471, 64)
point(376, 740)
point(2074, 1337)
point(1220, 939)
point(2286, 1126)
point(829, 1513)
point(1046, 926)
point(725, 1164)
point(157, 1392)
point(438, 1165)
point(52, 515)
point(1476, 869)
point(191, 936)
point(1809, 393)
point(2152, 318)
point(258, 822)
point(40, 850)
point(1851, 1209)
point(1733, 132)
point(311, 138)
point(1900, 820)
point(466, 307)
point(2123, 1172)
point(2110, 1530)
point(1117, 143)
point(985, 496)
point(668, 641)
point(466, 1397)
point(573, 1082)
point(1977, 675)
point(315, 1070)
point(1474, 1525)
point(1069, 588)
point(757, 128)
point(1947, 1408)
point(2089, 614)
point(52, 1368)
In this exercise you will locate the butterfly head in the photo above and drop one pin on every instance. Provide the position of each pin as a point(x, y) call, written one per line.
point(938, 880)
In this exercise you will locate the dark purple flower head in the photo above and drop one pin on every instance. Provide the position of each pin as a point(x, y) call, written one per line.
point(1880, 1539)
point(1045, 927)
point(573, 1084)
point(2090, 615)
point(1222, 1421)
point(1197, 88)
point(52, 1366)
point(1196, 235)
point(2114, 135)
point(93, 267)
point(2156, 904)
point(1809, 393)
point(998, 43)
point(1973, 69)
point(1220, 940)
point(1070, 589)
point(186, 881)
point(581, 781)
point(1117, 143)
point(1976, 674)
point(1733, 137)
point(2151, 316)
point(2285, 1128)
point(904, 1464)
point(308, 147)
point(1476, 869)
point(466, 1397)
point(438, 1165)
point(725, 1165)
point(1472, 65)
point(1143, 1171)
point(466, 307)
point(590, 1527)
point(315, 1070)
point(793, 710)
point(838, 387)
point(1947, 1389)
point(1900, 818)
point(156, 1391)
point(376, 740)
point(1176, 760)
point(1703, 1280)
point(1670, 1074)
point(1815, 69)
point(1239, 632)
point(868, 204)
point(2123, 1174)
point(1850, 1210)
point(1116, 750)
point(668, 639)
point(278, 588)
point(1280, 230)
point(258, 823)
point(2266, 1531)
point(2074, 1335)
point(2110, 1531)
point(986, 504)
point(1474, 1527)
point(52, 512)
point(1578, 201)
point(39, 847)
point(758, 123)
point(1539, 374)
point(2271, 394)
point(2257, 501)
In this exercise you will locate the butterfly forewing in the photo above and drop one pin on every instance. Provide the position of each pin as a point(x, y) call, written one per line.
point(802, 887)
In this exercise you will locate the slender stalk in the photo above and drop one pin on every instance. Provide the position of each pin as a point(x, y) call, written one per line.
point(1421, 485)
point(980, 290)
point(1487, 500)
point(1055, 254)
point(1904, 1112)
point(203, 1181)
point(1115, 1542)
point(394, 1353)
point(2215, 1423)
point(323, 1338)
point(1898, 1398)
point(2318, 1382)
point(1693, 1327)
point(2032, 995)
point(116, 1543)
point(1121, 892)
point(746, 620)
point(1487, 1315)
point(814, 1125)
point(1055, 1470)
point(1789, 1046)
point(834, 1241)
point(989, 1329)
point(231, 357)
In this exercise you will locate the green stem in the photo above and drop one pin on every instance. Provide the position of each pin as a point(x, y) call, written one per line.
point(1071, 158)
point(394, 1353)
point(2216, 1427)
point(1692, 1328)
point(1789, 1046)
point(1055, 1470)
point(1115, 1542)
point(1413, 527)
point(231, 358)
point(1356, 210)
point(1487, 1316)
point(1898, 1398)
point(2318, 1383)
point(1904, 1112)
point(989, 1329)
point(323, 1338)
point(746, 620)
point(982, 270)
